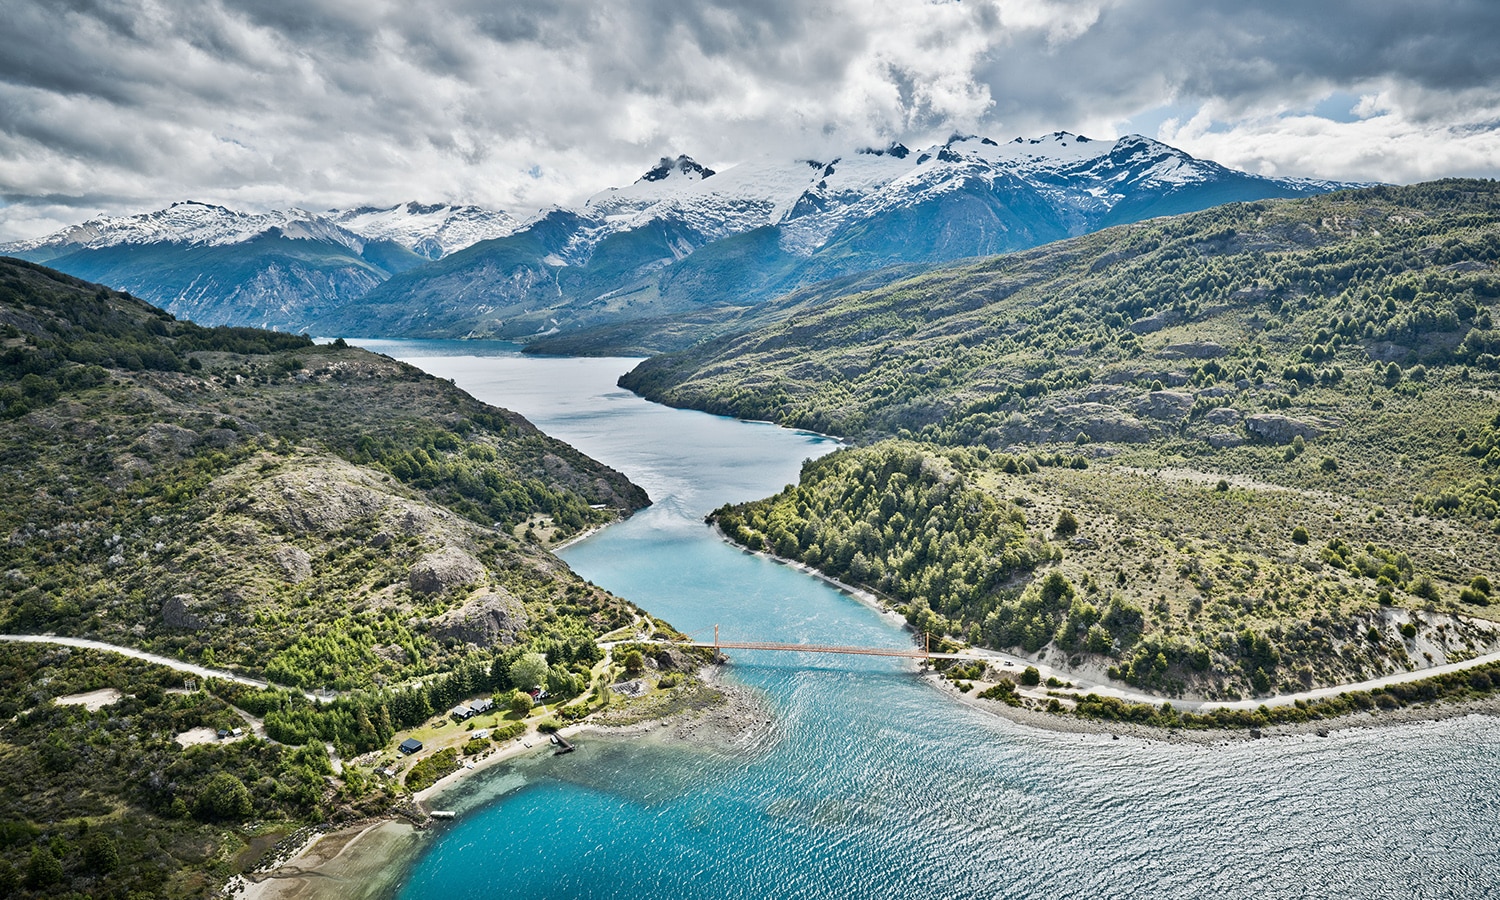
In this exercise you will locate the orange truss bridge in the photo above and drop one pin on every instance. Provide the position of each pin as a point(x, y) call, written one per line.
point(903, 652)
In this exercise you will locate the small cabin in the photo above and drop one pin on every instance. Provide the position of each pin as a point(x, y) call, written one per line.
point(461, 711)
point(482, 705)
point(410, 746)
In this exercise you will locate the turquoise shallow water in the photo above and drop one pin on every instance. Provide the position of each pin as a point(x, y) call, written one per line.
point(876, 785)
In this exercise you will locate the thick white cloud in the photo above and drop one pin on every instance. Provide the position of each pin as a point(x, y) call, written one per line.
point(125, 105)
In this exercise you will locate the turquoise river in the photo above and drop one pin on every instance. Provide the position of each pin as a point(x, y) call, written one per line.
point(871, 783)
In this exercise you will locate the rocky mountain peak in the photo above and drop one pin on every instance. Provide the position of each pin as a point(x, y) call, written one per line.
point(685, 165)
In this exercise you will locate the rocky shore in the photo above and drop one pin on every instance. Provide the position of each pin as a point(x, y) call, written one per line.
point(719, 716)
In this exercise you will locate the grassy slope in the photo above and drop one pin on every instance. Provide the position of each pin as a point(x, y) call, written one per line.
point(322, 515)
point(1364, 319)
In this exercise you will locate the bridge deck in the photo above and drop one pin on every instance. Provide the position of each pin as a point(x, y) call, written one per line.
point(903, 652)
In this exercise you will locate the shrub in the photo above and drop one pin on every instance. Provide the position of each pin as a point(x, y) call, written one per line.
point(507, 731)
point(43, 869)
point(427, 771)
point(224, 797)
point(1299, 535)
point(1031, 676)
point(1423, 587)
point(1067, 524)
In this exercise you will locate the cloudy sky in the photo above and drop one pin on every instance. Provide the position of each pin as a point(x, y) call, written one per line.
point(127, 105)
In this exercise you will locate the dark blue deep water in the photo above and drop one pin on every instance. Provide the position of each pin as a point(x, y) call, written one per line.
point(870, 784)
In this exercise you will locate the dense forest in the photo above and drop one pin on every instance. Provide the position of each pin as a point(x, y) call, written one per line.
point(1260, 440)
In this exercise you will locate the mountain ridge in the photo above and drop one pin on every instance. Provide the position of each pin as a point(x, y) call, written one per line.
point(684, 244)
point(680, 244)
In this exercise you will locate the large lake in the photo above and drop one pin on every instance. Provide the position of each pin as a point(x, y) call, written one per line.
point(877, 786)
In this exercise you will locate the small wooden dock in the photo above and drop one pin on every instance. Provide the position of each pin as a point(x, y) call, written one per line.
point(563, 746)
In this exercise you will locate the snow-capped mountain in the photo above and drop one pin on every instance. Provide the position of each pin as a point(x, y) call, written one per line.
point(649, 265)
point(189, 223)
point(431, 231)
point(1085, 179)
point(684, 238)
point(275, 269)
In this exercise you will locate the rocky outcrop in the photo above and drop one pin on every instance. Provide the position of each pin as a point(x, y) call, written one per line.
point(161, 438)
point(1099, 423)
point(443, 570)
point(1223, 416)
point(1173, 405)
point(1277, 429)
point(294, 563)
point(1156, 322)
point(490, 619)
point(1193, 350)
point(177, 612)
point(318, 502)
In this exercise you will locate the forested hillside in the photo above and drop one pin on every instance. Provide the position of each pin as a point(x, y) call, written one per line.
point(318, 515)
point(1266, 431)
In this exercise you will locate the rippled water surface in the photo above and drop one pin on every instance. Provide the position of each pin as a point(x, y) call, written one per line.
point(877, 786)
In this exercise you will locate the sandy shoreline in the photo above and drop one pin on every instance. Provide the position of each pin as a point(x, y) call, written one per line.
point(352, 862)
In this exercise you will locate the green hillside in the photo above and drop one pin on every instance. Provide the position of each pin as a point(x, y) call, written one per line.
point(320, 516)
point(1272, 428)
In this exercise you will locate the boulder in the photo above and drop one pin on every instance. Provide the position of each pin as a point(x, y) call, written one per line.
point(490, 619)
point(1282, 429)
point(443, 570)
point(1224, 439)
point(414, 522)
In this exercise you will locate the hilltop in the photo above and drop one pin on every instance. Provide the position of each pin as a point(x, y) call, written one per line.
point(1222, 454)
